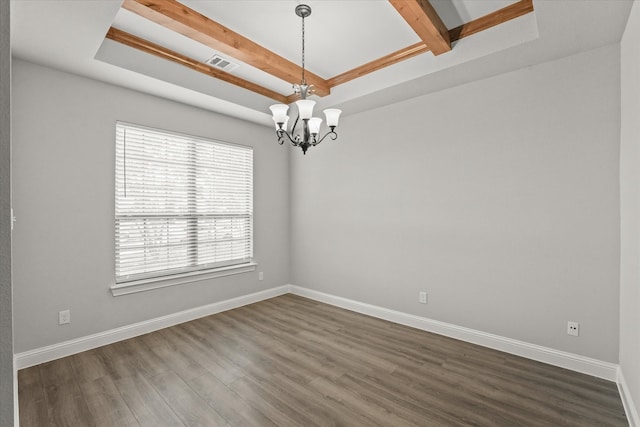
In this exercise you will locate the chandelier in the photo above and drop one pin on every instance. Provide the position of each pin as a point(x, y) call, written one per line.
point(308, 136)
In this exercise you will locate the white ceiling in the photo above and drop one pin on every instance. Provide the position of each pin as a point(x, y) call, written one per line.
point(340, 35)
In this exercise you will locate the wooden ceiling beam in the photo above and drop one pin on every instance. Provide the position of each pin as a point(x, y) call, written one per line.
point(147, 8)
point(425, 21)
point(183, 20)
point(164, 53)
point(378, 64)
point(505, 14)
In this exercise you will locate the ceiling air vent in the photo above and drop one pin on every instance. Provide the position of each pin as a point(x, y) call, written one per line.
point(221, 63)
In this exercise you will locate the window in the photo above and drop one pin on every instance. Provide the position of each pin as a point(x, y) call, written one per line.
point(183, 203)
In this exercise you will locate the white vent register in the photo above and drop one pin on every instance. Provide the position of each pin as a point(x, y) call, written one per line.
point(221, 63)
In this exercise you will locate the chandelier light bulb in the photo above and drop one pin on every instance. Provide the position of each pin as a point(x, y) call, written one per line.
point(314, 125)
point(281, 125)
point(305, 108)
point(279, 112)
point(332, 115)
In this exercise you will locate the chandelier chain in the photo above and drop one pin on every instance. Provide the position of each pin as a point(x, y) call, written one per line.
point(303, 79)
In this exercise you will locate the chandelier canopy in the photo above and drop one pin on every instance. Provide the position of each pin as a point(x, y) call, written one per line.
point(309, 134)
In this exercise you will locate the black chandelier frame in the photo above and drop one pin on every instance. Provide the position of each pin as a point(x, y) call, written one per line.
point(306, 138)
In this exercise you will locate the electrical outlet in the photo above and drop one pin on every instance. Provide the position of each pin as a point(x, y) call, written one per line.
point(573, 328)
point(64, 317)
point(261, 276)
point(423, 297)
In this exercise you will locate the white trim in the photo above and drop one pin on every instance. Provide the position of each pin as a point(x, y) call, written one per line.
point(574, 362)
point(16, 407)
point(627, 401)
point(67, 348)
point(571, 361)
point(179, 279)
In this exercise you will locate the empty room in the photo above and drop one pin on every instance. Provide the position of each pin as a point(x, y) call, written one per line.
point(319, 213)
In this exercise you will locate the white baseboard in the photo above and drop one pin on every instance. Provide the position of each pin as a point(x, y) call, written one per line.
point(16, 407)
point(551, 356)
point(574, 362)
point(627, 402)
point(67, 348)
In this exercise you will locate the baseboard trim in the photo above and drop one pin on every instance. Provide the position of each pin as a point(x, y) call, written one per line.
point(67, 348)
point(627, 402)
point(574, 362)
point(16, 407)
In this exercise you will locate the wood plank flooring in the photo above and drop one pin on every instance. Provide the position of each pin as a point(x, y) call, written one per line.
point(290, 361)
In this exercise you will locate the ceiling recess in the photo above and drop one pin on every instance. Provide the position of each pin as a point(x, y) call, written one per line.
point(178, 18)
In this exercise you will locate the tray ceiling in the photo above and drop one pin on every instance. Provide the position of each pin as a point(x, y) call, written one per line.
point(360, 54)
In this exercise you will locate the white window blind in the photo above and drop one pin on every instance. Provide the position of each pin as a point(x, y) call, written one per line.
point(182, 203)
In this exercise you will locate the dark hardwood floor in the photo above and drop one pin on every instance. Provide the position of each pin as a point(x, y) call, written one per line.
point(290, 361)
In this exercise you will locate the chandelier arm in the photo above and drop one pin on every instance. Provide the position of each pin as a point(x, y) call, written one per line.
point(332, 133)
point(281, 133)
point(280, 136)
point(293, 128)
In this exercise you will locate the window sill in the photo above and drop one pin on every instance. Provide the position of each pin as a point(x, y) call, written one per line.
point(179, 279)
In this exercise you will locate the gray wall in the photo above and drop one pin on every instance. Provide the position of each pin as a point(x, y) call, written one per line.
point(630, 207)
point(63, 171)
point(6, 321)
point(499, 198)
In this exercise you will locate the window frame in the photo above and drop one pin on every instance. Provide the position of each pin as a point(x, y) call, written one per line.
point(189, 270)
